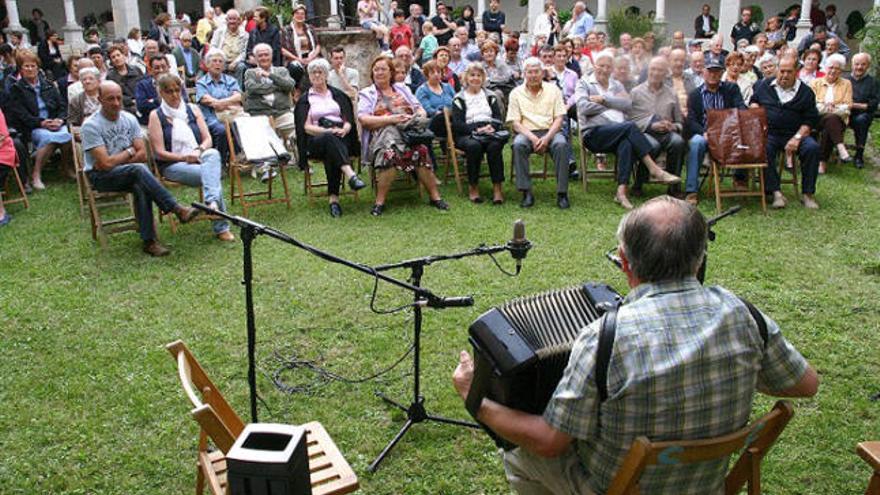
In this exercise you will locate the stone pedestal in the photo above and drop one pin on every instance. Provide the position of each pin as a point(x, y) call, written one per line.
point(360, 48)
point(73, 37)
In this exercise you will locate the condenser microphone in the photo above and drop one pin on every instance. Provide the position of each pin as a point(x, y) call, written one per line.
point(519, 246)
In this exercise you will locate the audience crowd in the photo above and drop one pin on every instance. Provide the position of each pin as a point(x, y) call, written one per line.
point(547, 92)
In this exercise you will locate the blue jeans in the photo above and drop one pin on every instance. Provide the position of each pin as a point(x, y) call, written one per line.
point(206, 175)
point(136, 179)
point(698, 146)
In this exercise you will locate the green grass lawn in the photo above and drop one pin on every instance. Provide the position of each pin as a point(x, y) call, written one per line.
point(90, 402)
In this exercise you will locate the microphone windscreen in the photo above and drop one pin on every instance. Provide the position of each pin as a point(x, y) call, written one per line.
point(519, 231)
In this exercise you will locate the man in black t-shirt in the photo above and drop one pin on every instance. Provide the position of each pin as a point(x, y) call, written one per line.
point(444, 28)
point(743, 30)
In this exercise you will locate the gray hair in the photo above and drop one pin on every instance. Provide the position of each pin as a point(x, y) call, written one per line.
point(664, 239)
point(319, 65)
point(89, 70)
point(836, 59)
point(215, 52)
point(532, 62)
point(864, 55)
point(262, 46)
point(768, 57)
point(604, 54)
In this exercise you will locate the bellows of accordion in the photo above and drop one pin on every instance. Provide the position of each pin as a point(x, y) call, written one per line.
point(521, 348)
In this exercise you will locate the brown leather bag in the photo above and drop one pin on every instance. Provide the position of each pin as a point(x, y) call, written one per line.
point(737, 136)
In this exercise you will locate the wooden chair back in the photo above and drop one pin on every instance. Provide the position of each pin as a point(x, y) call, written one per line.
point(210, 409)
point(754, 440)
point(870, 453)
point(238, 163)
point(451, 151)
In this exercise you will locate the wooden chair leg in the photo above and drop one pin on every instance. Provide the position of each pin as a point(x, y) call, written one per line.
point(24, 197)
point(284, 185)
point(874, 485)
point(716, 181)
point(763, 196)
point(200, 479)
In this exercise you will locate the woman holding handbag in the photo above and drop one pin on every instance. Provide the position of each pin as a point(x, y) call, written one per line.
point(477, 125)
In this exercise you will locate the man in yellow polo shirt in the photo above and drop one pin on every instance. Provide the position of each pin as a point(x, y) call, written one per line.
point(536, 111)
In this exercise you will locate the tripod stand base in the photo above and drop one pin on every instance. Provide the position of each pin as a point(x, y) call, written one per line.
point(415, 413)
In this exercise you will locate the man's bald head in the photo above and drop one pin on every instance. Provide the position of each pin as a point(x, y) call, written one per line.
point(110, 97)
point(108, 87)
point(664, 239)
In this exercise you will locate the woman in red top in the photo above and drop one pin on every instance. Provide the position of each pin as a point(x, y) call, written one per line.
point(442, 56)
point(8, 163)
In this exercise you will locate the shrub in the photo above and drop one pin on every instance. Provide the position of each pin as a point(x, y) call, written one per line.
point(870, 39)
point(620, 21)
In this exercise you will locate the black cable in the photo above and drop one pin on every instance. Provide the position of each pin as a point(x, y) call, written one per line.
point(373, 299)
point(509, 274)
point(324, 376)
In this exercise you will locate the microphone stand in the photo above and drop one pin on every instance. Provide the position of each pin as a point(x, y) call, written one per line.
point(415, 411)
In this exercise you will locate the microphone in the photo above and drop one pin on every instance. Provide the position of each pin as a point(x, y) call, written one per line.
point(519, 246)
point(449, 302)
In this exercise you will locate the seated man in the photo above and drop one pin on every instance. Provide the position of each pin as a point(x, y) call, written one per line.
point(114, 151)
point(601, 106)
point(145, 93)
point(414, 77)
point(219, 98)
point(536, 110)
point(791, 114)
point(685, 364)
point(656, 112)
point(267, 89)
point(232, 40)
point(866, 95)
point(188, 57)
point(712, 95)
point(341, 77)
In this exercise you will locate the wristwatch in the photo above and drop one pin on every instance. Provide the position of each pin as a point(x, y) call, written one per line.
point(130, 152)
point(797, 136)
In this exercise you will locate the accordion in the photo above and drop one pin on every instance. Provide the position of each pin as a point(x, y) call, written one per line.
point(521, 348)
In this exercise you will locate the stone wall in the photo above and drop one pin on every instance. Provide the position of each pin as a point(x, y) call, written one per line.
point(360, 48)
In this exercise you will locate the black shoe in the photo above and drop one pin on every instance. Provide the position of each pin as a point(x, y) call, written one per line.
point(355, 183)
point(562, 201)
point(439, 204)
point(497, 202)
point(377, 210)
point(477, 200)
point(859, 163)
point(573, 172)
point(846, 160)
point(335, 210)
point(636, 192)
point(528, 200)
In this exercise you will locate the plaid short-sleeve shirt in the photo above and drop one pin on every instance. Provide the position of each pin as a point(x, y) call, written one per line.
point(685, 365)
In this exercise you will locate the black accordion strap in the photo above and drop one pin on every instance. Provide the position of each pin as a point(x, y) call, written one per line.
point(759, 320)
point(603, 357)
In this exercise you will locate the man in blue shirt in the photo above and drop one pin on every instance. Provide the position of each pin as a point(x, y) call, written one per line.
point(216, 92)
point(583, 21)
point(685, 363)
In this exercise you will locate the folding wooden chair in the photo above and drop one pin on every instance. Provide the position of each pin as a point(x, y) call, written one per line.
point(102, 201)
point(170, 184)
point(535, 174)
point(6, 194)
point(240, 162)
point(77, 165)
point(791, 173)
point(870, 452)
point(330, 472)
point(719, 170)
point(754, 440)
point(584, 157)
point(452, 152)
point(313, 181)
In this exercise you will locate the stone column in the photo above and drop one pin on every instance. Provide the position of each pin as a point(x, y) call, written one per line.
point(432, 8)
point(728, 15)
point(14, 21)
point(126, 15)
point(73, 33)
point(536, 7)
point(481, 7)
point(206, 6)
point(660, 19)
point(804, 24)
point(601, 20)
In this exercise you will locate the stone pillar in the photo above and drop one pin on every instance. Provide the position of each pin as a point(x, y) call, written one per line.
point(206, 6)
point(432, 8)
point(601, 20)
point(536, 7)
point(804, 24)
point(73, 33)
point(14, 21)
point(660, 19)
point(481, 7)
point(126, 15)
point(728, 15)
point(334, 21)
point(243, 5)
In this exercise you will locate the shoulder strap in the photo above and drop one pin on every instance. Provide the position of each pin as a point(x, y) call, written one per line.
point(759, 320)
point(603, 356)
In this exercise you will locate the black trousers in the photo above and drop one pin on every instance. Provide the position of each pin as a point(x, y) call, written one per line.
point(331, 149)
point(474, 150)
point(860, 123)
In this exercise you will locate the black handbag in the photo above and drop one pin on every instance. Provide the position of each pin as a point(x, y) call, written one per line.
point(415, 137)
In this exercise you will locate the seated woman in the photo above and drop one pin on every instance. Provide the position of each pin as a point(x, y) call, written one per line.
point(325, 129)
point(441, 57)
point(499, 77)
point(35, 109)
point(738, 73)
point(810, 69)
point(473, 111)
point(435, 95)
point(834, 100)
point(183, 150)
point(8, 164)
point(83, 105)
point(385, 109)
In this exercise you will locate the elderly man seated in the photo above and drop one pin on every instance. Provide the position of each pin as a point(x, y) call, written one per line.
point(268, 89)
point(656, 112)
point(791, 114)
point(232, 40)
point(685, 362)
point(681, 81)
point(536, 110)
point(145, 93)
point(866, 96)
point(413, 75)
point(115, 153)
point(712, 95)
point(219, 98)
point(601, 105)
